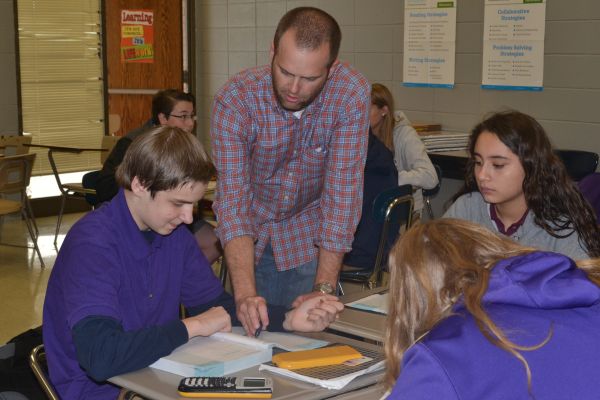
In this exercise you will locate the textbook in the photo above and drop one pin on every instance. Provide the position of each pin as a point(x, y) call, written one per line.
point(225, 353)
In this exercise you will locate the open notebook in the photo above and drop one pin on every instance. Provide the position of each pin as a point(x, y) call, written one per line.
point(226, 353)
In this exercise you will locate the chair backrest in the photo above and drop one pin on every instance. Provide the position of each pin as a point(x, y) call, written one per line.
point(15, 172)
point(14, 145)
point(394, 207)
point(90, 181)
point(108, 142)
point(590, 189)
point(579, 163)
point(37, 362)
point(384, 199)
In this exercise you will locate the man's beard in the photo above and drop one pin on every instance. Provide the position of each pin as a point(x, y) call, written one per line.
point(301, 105)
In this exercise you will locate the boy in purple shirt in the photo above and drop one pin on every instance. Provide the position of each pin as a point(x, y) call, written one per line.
point(112, 303)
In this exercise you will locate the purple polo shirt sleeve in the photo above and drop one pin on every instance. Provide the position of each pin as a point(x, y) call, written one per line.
point(422, 377)
point(89, 281)
point(199, 284)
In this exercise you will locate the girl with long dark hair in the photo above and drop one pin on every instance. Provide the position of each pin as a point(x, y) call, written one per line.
point(515, 184)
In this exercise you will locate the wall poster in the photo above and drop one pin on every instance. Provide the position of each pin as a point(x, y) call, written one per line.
point(137, 36)
point(513, 44)
point(429, 43)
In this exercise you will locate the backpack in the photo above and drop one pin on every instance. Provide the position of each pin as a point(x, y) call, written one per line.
point(15, 373)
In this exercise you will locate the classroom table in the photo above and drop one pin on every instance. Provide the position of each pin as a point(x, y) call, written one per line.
point(452, 163)
point(159, 385)
point(364, 324)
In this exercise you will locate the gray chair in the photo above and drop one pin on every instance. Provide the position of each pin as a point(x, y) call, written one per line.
point(393, 207)
point(39, 367)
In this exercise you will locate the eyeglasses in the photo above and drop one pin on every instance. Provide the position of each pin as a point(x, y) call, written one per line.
point(191, 117)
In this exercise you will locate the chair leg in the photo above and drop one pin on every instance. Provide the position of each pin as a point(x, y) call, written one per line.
point(223, 272)
point(29, 210)
point(60, 214)
point(33, 235)
point(429, 209)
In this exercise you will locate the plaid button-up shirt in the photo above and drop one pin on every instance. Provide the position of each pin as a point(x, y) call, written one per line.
point(294, 181)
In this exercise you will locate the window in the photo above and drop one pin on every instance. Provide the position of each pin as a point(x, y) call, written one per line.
point(61, 79)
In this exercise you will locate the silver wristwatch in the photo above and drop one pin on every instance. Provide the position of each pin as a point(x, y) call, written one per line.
point(323, 287)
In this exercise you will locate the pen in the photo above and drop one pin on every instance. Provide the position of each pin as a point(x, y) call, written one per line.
point(258, 330)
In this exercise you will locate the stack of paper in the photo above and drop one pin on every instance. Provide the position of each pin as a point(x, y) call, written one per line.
point(226, 353)
point(446, 141)
point(377, 303)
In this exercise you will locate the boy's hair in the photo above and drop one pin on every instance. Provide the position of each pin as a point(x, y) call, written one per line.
point(165, 158)
point(164, 101)
point(313, 27)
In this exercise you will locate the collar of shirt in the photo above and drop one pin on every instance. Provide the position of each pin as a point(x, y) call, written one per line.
point(132, 237)
point(511, 229)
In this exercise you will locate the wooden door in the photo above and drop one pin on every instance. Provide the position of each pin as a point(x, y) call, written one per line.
point(132, 79)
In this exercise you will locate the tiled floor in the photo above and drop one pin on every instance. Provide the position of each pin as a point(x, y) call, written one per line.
point(22, 280)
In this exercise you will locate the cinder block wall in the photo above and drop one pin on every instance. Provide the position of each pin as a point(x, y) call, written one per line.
point(232, 35)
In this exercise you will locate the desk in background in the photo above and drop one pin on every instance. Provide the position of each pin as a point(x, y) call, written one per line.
point(452, 163)
point(160, 385)
point(364, 324)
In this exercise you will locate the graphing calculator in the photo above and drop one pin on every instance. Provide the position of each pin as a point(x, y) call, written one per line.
point(226, 387)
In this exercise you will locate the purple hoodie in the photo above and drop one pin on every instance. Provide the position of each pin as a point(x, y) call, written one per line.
point(528, 297)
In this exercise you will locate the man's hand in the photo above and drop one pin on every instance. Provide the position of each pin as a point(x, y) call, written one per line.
point(304, 297)
point(214, 320)
point(252, 313)
point(314, 314)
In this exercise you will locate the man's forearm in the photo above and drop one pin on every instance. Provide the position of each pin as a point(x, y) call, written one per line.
point(330, 263)
point(239, 254)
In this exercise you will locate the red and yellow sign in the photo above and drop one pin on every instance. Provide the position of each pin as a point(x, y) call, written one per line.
point(137, 36)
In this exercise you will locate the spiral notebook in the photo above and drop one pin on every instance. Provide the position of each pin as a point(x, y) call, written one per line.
point(334, 376)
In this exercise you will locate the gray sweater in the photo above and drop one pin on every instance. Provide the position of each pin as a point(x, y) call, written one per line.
point(411, 159)
point(472, 207)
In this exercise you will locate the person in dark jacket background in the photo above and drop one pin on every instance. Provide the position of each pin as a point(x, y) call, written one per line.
point(380, 174)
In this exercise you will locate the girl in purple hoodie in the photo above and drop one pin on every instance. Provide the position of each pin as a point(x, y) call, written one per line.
point(477, 316)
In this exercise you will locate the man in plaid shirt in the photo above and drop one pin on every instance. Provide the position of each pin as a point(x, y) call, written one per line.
point(289, 143)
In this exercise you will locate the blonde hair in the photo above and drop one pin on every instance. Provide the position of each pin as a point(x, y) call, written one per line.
point(382, 97)
point(432, 266)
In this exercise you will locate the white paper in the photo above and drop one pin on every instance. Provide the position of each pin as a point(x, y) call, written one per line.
point(429, 43)
point(513, 45)
point(282, 340)
point(334, 383)
point(377, 302)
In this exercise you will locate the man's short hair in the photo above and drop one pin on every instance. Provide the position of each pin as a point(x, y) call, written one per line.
point(313, 27)
point(165, 100)
point(165, 158)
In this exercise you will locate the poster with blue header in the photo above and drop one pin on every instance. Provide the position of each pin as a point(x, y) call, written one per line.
point(513, 45)
point(429, 43)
